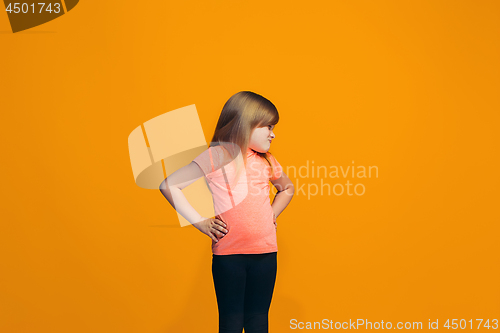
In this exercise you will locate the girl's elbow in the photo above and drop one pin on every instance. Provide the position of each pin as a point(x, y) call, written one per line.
point(165, 187)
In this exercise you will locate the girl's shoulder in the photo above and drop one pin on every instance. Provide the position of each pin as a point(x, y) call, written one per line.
point(276, 166)
point(211, 159)
point(272, 158)
point(220, 156)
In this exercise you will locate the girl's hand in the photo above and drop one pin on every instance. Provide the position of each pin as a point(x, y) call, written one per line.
point(275, 223)
point(212, 227)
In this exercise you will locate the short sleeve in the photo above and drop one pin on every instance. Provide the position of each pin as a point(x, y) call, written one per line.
point(212, 159)
point(277, 168)
point(205, 161)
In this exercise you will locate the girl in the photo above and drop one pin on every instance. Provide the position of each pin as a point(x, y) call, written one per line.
point(238, 167)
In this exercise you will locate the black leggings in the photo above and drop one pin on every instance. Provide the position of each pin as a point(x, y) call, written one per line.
point(244, 285)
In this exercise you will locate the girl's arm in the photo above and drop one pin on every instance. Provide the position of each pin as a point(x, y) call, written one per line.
point(172, 186)
point(285, 193)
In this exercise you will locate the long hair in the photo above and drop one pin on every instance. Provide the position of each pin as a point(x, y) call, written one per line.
point(243, 112)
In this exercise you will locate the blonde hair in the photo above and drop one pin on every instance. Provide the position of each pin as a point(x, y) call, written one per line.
point(243, 112)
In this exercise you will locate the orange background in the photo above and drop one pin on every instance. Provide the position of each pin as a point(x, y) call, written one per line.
point(410, 88)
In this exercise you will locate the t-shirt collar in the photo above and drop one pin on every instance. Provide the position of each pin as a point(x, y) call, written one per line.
point(251, 152)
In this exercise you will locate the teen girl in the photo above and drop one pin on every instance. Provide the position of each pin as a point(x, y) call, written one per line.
point(238, 167)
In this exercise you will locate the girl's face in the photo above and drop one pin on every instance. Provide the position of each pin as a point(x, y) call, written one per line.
point(260, 139)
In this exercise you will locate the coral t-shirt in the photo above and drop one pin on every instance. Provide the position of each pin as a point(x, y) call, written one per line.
point(241, 200)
